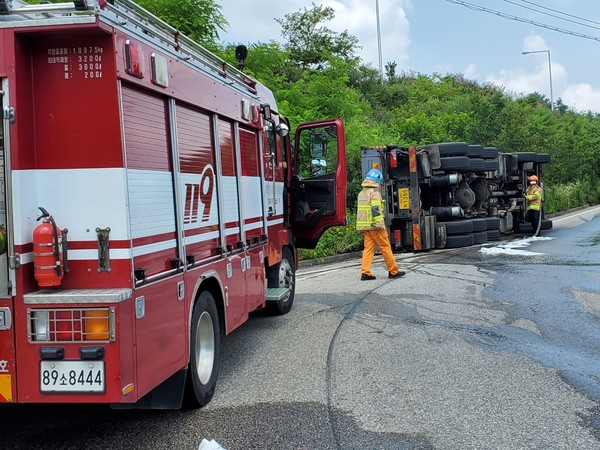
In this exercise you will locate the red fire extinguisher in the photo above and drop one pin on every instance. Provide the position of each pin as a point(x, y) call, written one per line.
point(47, 252)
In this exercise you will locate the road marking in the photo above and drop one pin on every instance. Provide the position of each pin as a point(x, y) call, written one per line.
point(576, 214)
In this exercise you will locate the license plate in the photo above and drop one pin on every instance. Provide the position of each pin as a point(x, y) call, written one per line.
point(72, 376)
point(403, 193)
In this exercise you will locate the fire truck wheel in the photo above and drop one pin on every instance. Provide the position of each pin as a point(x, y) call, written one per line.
point(204, 352)
point(282, 275)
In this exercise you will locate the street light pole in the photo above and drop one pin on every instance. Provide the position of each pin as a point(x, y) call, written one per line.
point(549, 72)
point(379, 37)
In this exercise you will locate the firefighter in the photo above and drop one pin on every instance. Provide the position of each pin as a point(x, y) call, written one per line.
point(369, 220)
point(534, 202)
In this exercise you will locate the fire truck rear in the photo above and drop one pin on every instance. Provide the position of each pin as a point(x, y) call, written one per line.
point(150, 200)
point(453, 194)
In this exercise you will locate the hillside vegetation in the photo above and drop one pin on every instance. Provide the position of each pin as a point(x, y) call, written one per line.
point(315, 74)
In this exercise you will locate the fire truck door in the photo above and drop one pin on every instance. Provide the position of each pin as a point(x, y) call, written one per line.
point(318, 187)
point(7, 335)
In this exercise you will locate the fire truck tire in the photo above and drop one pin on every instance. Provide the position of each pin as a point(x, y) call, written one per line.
point(453, 148)
point(205, 340)
point(454, 163)
point(458, 227)
point(282, 275)
point(463, 240)
point(479, 224)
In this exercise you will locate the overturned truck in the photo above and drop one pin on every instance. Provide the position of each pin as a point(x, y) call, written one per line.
point(453, 194)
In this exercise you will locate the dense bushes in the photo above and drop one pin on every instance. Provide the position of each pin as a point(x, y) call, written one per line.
point(336, 240)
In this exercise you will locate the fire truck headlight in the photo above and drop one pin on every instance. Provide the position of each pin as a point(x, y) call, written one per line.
point(40, 331)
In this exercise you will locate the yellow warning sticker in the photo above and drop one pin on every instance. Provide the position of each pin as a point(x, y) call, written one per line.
point(5, 388)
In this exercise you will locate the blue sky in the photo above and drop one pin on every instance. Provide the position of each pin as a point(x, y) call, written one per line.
point(430, 36)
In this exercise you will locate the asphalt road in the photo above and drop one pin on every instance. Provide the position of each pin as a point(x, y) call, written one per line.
point(493, 348)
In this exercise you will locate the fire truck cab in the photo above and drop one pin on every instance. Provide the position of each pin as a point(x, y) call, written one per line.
point(151, 198)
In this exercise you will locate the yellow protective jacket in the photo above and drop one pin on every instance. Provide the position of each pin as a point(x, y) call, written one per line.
point(370, 207)
point(534, 197)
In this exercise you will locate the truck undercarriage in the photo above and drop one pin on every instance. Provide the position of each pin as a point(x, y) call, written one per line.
point(453, 194)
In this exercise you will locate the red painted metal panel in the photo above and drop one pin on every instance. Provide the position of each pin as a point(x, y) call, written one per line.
point(75, 121)
point(156, 262)
point(249, 152)
point(161, 335)
point(147, 148)
point(228, 169)
point(194, 137)
point(196, 157)
point(237, 312)
point(255, 279)
point(226, 145)
point(28, 362)
point(145, 125)
point(8, 374)
point(204, 249)
point(4, 36)
point(192, 87)
point(21, 95)
point(251, 168)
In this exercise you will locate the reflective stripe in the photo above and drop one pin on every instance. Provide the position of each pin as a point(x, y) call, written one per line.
point(534, 198)
point(369, 209)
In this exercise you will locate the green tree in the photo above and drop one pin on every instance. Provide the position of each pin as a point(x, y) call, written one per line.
point(199, 20)
point(310, 43)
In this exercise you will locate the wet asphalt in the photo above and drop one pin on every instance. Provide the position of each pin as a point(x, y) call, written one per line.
point(470, 350)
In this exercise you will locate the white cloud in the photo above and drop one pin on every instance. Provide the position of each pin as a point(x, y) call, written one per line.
point(582, 97)
point(360, 19)
point(579, 96)
point(470, 72)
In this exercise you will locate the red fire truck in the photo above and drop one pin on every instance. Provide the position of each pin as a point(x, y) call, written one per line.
point(151, 199)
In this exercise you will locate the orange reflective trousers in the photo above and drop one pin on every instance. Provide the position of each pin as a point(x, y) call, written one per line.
point(379, 237)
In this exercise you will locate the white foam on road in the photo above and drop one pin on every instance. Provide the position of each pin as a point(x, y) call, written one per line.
point(515, 247)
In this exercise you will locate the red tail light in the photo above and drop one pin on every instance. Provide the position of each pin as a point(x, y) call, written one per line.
point(65, 325)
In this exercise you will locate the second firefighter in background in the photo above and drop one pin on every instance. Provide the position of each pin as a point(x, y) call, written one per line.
point(370, 221)
point(534, 202)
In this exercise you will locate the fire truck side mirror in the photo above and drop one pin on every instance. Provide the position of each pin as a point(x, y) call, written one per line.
point(282, 130)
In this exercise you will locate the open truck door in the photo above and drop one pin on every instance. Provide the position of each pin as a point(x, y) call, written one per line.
point(318, 187)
